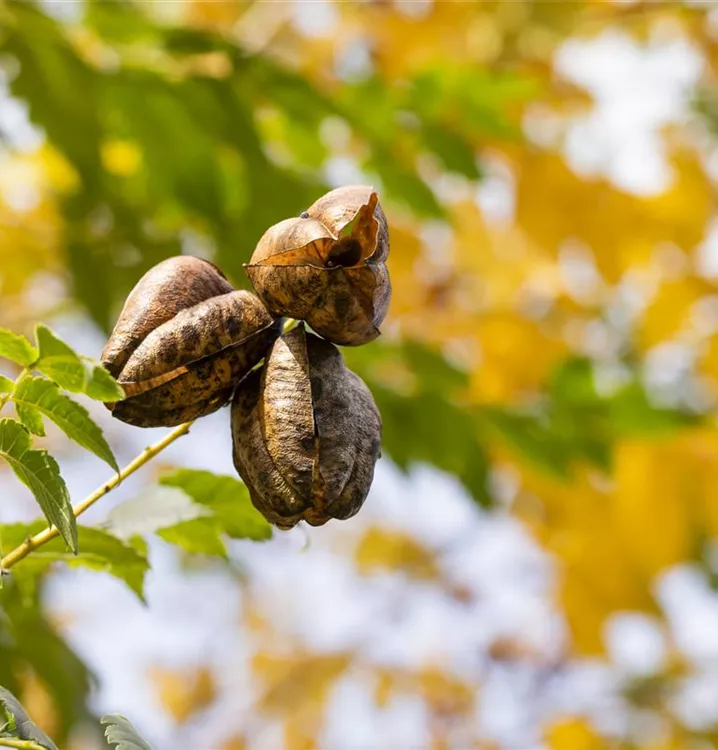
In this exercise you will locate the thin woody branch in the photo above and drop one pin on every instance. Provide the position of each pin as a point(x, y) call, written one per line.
point(22, 744)
point(47, 535)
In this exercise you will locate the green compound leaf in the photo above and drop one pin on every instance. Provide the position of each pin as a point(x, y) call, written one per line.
point(37, 396)
point(39, 471)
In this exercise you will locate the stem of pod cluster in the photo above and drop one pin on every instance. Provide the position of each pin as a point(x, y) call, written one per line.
point(47, 535)
point(289, 323)
point(23, 744)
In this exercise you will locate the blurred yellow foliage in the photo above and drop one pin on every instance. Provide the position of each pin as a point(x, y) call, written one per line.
point(445, 694)
point(495, 290)
point(235, 743)
point(665, 497)
point(598, 575)
point(38, 702)
point(574, 734)
point(184, 693)
point(122, 158)
point(298, 681)
point(555, 205)
point(385, 687)
point(385, 550)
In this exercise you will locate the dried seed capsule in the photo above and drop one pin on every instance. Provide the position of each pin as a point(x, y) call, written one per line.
point(306, 433)
point(328, 266)
point(183, 341)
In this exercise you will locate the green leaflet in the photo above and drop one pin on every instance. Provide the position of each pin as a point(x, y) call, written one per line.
point(200, 536)
point(101, 386)
point(121, 735)
point(37, 396)
point(31, 418)
point(58, 361)
point(16, 348)
point(39, 471)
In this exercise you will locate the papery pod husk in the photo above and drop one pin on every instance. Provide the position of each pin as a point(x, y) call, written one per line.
point(328, 266)
point(183, 341)
point(306, 433)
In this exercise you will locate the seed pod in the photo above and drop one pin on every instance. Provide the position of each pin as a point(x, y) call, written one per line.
point(306, 433)
point(328, 267)
point(183, 341)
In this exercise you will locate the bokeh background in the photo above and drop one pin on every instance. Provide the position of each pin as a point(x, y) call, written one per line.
point(536, 567)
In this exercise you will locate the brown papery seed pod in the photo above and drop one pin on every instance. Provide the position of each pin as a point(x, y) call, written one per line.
point(183, 341)
point(306, 433)
point(328, 266)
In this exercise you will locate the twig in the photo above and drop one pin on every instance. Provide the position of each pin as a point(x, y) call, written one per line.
point(43, 537)
point(23, 744)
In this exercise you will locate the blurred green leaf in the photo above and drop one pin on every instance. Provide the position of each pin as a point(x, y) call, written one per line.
point(474, 101)
point(19, 723)
point(120, 734)
point(574, 422)
point(226, 497)
point(16, 348)
point(44, 396)
point(39, 471)
point(58, 361)
point(632, 414)
point(29, 642)
point(200, 536)
point(119, 21)
point(58, 86)
point(436, 374)
point(404, 186)
point(98, 550)
point(529, 438)
point(453, 150)
point(6, 385)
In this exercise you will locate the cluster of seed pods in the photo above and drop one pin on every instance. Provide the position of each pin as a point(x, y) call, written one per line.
point(305, 429)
